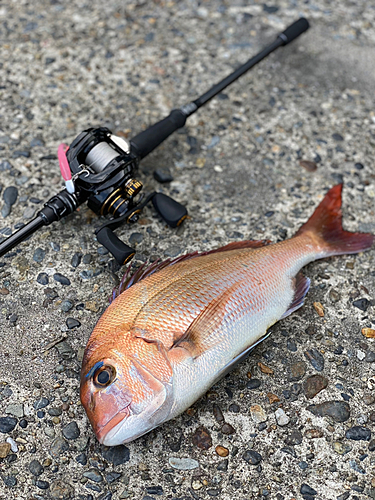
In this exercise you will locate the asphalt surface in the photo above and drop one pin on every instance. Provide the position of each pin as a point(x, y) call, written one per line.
point(239, 165)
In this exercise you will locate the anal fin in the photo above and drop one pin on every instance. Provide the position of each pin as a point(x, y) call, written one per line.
point(302, 285)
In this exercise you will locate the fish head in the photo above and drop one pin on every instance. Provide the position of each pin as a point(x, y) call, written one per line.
point(126, 387)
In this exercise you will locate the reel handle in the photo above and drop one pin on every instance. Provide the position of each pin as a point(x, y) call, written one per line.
point(169, 209)
point(120, 251)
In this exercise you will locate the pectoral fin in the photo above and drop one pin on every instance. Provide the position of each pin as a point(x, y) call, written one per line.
point(202, 333)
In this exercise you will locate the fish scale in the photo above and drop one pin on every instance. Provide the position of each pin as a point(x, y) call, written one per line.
point(176, 330)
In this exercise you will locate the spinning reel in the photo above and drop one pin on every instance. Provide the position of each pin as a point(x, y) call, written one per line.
point(100, 168)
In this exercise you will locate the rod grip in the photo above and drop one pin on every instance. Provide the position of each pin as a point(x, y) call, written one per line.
point(294, 30)
point(149, 139)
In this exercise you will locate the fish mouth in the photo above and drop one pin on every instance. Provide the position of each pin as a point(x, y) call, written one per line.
point(124, 428)
point(111, 424)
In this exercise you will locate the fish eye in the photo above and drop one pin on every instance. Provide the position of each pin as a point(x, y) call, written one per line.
point(104, 376)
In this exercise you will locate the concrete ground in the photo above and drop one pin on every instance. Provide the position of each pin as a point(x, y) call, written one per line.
point(296, 419)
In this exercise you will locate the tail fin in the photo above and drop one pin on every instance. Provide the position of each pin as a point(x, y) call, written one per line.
point(325, 223)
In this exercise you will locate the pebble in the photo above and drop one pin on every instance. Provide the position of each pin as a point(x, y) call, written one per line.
point(202, 438)
point(307, 490)
point(361, 304)
point(163, 175)
point(258, 414)
point(71, 431)
point(66, 305)
point(296, 371)
point(313, 385)
point(93, 475)
point(23, 423)
point(316, 359)
point(10, 481)
point(39, 255)
point(314, 433)
point(13, 444)
point(72, 323)
point(291, 345)
point(358, 433)
point(228, 429)
point(218, 414)
point(43, 485)
point(154, 490)
point(55, 246)
point(254, 383)
point(273, 398)
point(117, 455)
point(36, 468)
point(61, 279)
point(4, 449)
point(7, 424)
point(5, 210)
point(344, 496)
point(28, 213)
point(213, 492)
point(334, 295)
point(222, 451)
point(42, 278)
point(87, 258)
point(319, 309)
point(223, 465)
point(339, 411)
point(10, 195)
point(91, 305)
point(252, 457)
point(281, 418)
point(337, 137)
point(54, 412)
point(41, 403)
point(16, 409)
point(111, 477)
point(183, 463)
point(76, 259)
point(65, 350)
point(82, 458)
point(309, 165)
point(58, 446)
point(294, 438)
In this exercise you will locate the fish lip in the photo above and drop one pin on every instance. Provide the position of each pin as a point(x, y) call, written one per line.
point(113, 422)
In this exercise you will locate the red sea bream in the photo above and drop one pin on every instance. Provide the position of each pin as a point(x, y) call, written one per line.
point(179, 326)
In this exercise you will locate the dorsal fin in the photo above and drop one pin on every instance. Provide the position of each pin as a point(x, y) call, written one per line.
point(143, 271)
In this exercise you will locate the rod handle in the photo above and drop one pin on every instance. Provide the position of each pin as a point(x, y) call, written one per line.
point(149, 139)
point(294, 30)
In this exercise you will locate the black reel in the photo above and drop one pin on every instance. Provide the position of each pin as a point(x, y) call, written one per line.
point(103, 166)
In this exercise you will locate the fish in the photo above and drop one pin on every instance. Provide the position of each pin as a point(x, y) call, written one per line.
point(176, 327)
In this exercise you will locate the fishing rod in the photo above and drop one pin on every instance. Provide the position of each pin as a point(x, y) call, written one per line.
point(99, 167)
